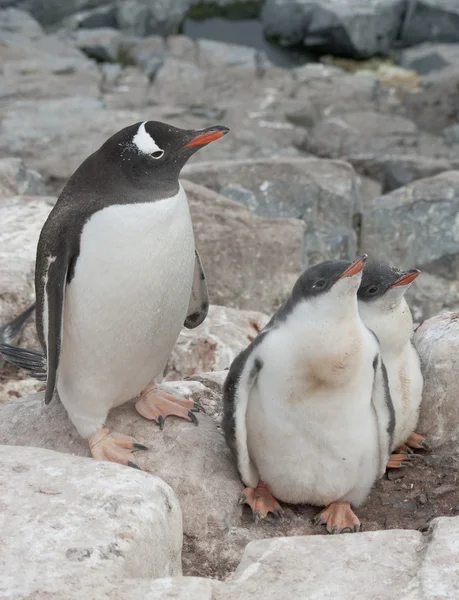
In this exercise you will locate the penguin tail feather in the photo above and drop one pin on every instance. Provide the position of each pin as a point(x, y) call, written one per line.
point(9, 331)
point(30, 360)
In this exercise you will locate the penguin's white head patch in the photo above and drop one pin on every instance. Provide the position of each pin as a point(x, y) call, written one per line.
point(145, 144)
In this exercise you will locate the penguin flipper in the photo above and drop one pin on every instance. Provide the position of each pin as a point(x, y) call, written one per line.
point(198, 306)
point(9, 331)
point(31, 360)
point(385, 413)
point(241, 378)
point(55, 294)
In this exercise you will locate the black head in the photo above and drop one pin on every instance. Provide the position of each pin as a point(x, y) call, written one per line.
point(319, 279)
point(152, 153)
point(379, 279)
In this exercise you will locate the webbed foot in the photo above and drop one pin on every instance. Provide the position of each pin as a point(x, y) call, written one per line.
point(338, 517)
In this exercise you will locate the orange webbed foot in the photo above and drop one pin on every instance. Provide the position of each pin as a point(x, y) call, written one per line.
point(156, 405)
point(261, 501)
point(418, 442)
point(338, 517)
point(114, 447)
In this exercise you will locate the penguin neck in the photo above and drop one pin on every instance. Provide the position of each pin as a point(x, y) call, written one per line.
point(391, 323)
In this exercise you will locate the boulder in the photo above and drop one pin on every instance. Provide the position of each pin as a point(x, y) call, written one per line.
point(240, 251)
point(431, 21)
point(194, 461)
point(350, 28)
point(16, 179)
point(430, 57)
point(22, 218)
point(380, 564)
point(80, 522)
point(18, 22)
point(415, 226)
point(48, 12)
point(215, 343)
point(437, 341)
point(322, 193)
point(101, 44)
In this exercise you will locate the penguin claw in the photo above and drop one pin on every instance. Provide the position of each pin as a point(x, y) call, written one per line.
point(114, 447)
point(198, 407)
point(338, 518)
point(156, 405)
point(418, 442)
point(261, 501)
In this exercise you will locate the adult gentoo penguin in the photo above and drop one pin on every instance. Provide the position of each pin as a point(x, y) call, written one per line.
point(306, 409)
point(384, 310)
point(117, 276)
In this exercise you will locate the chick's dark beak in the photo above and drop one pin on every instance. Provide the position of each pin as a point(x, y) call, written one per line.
point(355, 267)
point(406, 278)
point(205, 136)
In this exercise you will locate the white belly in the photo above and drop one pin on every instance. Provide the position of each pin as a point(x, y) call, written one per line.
point(313, 447)
point(125, 305)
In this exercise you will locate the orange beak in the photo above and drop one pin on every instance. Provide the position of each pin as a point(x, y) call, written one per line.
point(355, 267)
point(212, 134)
point(405, 279)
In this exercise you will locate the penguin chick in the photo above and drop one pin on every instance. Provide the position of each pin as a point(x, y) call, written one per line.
point(117, 276)
point(300, 414)
point(384, 310)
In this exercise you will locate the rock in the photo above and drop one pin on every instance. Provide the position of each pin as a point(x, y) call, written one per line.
point(149, 53)
point(96, 18)
point(47, 67)
point(452, 134)
point(439, 573)
point(240, 251)
point(48, 12)
point(324, 194)
point(274, 568)
point(430, 57)
point(22, 218)
point(342, 28)
point(50, 136)
point(431, 21)
point(146, 17)
point(16, 179)
point(194, 461)
point(415, 226)
point(437, 340)
point(215, 343)
point(19, 22)
point(435, 107)
point(394, 171)
point(91, 521)
point(101, 44)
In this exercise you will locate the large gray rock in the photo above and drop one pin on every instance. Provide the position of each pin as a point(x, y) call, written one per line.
point(194, 461)
point(16, 179)
point(323, 193)
point(429, 57)
point(81, 523)
point(437, 341)
point(215, 343)
point(371, 565)
point(431, 21)
point(240, 251)
point(21, 219)
point(102, 44)
point(339, 27)
point(48, 12)
point(19, 22)
point(416, 226)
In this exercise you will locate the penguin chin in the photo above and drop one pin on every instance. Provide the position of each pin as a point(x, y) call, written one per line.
point(346, 286)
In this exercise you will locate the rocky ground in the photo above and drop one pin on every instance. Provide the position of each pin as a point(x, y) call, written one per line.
point(323, 161)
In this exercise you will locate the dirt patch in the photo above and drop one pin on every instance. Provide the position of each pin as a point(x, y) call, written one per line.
point(15, 383)
point(407, 498)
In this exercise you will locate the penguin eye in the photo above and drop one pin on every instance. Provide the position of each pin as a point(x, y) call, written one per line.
point(157, 154)
point(319, 284)
point(372, 290)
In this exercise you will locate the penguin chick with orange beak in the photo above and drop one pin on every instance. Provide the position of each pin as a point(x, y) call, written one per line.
point(384, 310)
point(307, 413)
